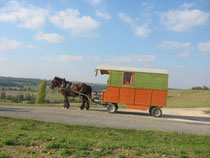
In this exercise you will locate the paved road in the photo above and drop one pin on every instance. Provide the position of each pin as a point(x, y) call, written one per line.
point(99, 117)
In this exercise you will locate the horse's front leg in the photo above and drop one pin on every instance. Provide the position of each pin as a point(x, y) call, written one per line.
point(66, 102)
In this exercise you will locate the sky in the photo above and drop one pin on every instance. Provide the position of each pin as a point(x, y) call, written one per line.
point(69, 38)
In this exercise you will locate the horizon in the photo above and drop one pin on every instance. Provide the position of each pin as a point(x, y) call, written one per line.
point(170, 88)
point(42, 39)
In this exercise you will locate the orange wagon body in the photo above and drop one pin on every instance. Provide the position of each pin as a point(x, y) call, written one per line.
point(136, 87)
point(135, 98)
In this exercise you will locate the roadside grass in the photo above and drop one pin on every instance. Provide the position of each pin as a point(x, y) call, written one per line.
point(28, 138)
point(207, 112)
point(188, 98)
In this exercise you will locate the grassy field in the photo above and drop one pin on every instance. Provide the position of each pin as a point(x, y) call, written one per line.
point(27, 138)
point(188, 98)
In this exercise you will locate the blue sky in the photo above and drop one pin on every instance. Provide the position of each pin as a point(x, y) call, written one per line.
point(43, 39)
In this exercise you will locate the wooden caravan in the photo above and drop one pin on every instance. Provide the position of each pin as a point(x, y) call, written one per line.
point(138, 88)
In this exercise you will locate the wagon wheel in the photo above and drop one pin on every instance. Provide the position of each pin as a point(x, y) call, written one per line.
point(112, 108)
point(150, 109)
point(156, 112)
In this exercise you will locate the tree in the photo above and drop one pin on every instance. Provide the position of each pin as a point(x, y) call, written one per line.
point(41, 92)
point(3, 95)
point(197, 88)
point(205, 88)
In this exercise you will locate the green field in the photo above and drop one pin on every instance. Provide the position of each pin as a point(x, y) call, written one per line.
point(188, 98)
point(27, 138)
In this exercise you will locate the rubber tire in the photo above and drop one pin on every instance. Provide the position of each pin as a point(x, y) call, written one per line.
point(156, 112)
point(112, 108)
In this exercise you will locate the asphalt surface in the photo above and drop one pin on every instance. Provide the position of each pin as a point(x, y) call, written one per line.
point(129, 119)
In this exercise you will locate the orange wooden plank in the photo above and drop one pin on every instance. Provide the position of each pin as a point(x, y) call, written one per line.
point(143, 97)
point(159, 98)
point(137, 107)
point(111, 95)
point(127, 95)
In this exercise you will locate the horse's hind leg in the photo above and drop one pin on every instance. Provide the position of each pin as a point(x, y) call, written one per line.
point(83, 103)
point(87, 105)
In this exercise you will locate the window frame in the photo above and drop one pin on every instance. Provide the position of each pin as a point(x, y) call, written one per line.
point(132, 75)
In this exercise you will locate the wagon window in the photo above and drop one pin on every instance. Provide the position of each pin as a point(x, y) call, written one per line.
point(128, 78)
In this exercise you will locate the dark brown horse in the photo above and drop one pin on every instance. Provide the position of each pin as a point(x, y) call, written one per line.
point(68, 89)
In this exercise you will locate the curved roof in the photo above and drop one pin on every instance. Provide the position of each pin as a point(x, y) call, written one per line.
point(131, 69)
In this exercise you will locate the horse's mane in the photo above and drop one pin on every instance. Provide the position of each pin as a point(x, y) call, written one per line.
point(58, 78)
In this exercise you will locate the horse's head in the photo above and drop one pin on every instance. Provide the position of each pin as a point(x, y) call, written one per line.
point(55, 83)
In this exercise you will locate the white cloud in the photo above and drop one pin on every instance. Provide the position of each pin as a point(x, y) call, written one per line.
point(93, 58)
point(50, 37)
point(204, 47)
point(130, 58)
point(6, 44)
point(95, 2)
point(30, 46)
point(63, 58)
point(104, 15)
point(179, 67)
point(2, 59)
point(30, 17)
point(185, 54)
point(71, 20)
point(139, 30)
point(67, 58)
point(186, 47)
point(126, 18)
point(173, 45)
point(187, 5)
point(147, 6)
point(184, 20)
point(142, 31)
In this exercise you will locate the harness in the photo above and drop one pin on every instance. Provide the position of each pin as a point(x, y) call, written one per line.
point(69, 88)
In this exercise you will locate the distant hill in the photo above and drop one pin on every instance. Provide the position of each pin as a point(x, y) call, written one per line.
point(18, 82)
point(21, 82)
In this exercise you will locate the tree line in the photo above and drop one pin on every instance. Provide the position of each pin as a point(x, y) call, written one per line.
point(200, 88)
point(29, 98)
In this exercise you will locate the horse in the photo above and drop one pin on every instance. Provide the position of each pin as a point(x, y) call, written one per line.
point(68, 89)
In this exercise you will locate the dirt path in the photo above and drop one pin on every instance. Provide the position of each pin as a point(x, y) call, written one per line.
point(187, 111)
